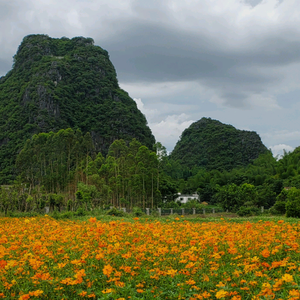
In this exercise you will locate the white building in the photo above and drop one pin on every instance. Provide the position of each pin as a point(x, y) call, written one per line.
point(185, 198)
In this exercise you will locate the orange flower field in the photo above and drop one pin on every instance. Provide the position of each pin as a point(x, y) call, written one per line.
point(42, 258)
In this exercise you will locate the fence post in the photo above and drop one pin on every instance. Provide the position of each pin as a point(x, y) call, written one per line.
point(46, 209)
point(159, 211)
point(204, 211)
point(262, 209)
point(171, 211)
point(123, 209)
point(148, 211)
point(227, 210)
point(194, 211)
point(182, 210)
point(213, 211)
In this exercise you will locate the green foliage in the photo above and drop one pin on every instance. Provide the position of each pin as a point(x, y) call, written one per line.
point(279, 208)
point(192, 203)
point(80, 212)
point(170, 204)
point(232, 197)
point(86, 194)
point(137, 212)
point(67, 215)
point(244, 211)
point(293, 203)
point(116, 212)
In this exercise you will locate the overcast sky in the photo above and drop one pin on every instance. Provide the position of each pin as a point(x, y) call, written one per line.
point(237, 61)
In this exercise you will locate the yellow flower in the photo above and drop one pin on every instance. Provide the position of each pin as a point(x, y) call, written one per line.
point(190, 282)
point(220, 284)
point(294, 293)
point(221, 294)
point(287, 278)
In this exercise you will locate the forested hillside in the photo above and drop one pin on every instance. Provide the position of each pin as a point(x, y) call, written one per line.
point(64, 83)
point(216, 146)
point(71, 139)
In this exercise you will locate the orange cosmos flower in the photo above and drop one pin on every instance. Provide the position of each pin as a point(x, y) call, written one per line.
point(294, 293)
point(24, 297)
point(265, 253)
point(190, 282)
point(36, 293)
point(107, 270)
point(83, 293)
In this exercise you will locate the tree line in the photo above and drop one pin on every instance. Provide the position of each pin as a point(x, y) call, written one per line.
point(63, 170)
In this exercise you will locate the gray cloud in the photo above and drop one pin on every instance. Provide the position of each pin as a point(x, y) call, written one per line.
point(253, 2)
point(145, 51)
point(5, 65)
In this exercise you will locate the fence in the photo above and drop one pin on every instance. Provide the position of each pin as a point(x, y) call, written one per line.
point(169, 211)
point(184, 211)
point(179, 211)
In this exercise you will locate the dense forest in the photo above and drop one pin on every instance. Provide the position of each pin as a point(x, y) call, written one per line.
point(71, 139)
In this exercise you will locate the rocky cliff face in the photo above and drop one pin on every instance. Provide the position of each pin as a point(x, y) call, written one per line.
point(212, 145)
point(61, 83)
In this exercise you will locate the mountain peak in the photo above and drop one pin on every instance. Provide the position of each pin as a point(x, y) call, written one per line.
point(211, 144)
point(64, 83)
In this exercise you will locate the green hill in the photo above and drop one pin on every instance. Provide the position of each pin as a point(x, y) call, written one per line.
point(60, 83)
point(213, 145)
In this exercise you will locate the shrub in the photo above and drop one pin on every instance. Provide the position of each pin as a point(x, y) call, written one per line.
point(137, 212)
point(69, 205)
point(67, 215)
point(55, 214)
point(293, 203)
point(248, 211)
point(116, 212)
point(279, 208)
point(193, 203)
point(80, 212)
point(170, 204)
